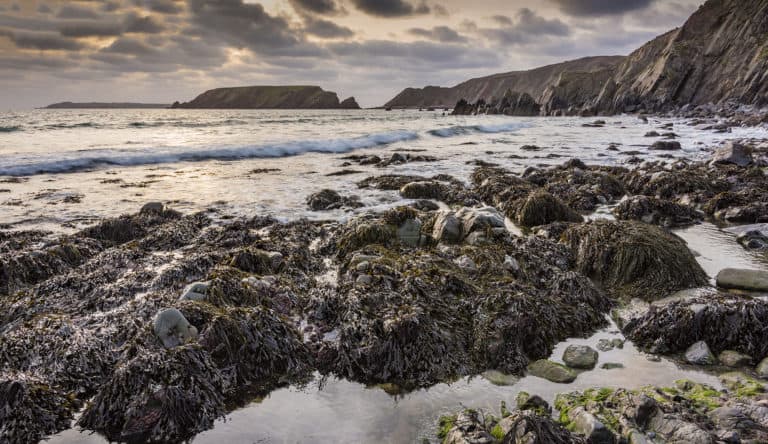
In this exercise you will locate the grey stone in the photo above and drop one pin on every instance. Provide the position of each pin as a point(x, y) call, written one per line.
point(409, 233)
point(552, 371)
point(447, 228)
point(700, 354)
point(196, 291)
point(172, 328)
point(585, 423)
point(733, 153)
point(580, 356)
point(738, 279)
point(153, 208)
point(731, 358)
point(663, 145)
point(762, 369)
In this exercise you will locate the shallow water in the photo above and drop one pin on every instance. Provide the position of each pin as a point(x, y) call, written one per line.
point(75, 166)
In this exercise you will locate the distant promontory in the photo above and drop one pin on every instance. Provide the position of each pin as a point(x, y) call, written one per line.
point(105, 105)
point(269, 97)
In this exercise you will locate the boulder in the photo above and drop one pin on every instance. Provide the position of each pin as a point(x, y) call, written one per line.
point(656, 211)
point(326, 199)
point(477, 219)
point(423, 190)
point(154, 208)
point(586, 424)
point(447, 228)
point(542, 208)
point(196, 291)
point(762, 369)
point(732, 153)
point(665, 145)
point(173, 329)
point(536, 403)
point(699, 354)
point(633, 259)
point(732, 358)
point(409, 233)
point(738, 279)
point(580, 356)
point(552, 371)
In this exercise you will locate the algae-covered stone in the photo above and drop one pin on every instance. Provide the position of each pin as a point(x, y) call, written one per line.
point(762, 369)
point(536, 403)
point(633, 259)
point(737, 279)
point(611, 365)
point(656, 211)
point(424, 190)
point(580, 356)
point(552, 371)
point(731, 358)
point(542, 208)
point(700, 354)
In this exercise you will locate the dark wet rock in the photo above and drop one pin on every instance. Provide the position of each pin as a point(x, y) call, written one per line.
point(724, 322)
point(126, 228)
point(367, 159)
point(652, 134)
point(749, 280)
point(552, 371)
point(580, 356)
point(762, 369)
point(733, 153)
point(448, 228)
point(699, 354)
point(425, 205)
point(257, 261)
point(325, 200)
point(424, 190)
point(751, 237)
point(400, 159)
point(173, 329)
point(634, 260)
point(663, 145)
point(611, 365)
point(731, 358)
point(541, 208)
point(657, 212)
point(30, 410)
point(536, 403)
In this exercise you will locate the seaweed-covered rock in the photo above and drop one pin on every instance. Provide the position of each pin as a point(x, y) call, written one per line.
point(634, 260)
point(724, 322)
point(552, 371)
point(731, 358)
point(541, 208)
point(657, 212)
point(326, 199)
point(126, 228)
point(30, 410)
point(663, 145)
point(732, 153)
point(424, 190)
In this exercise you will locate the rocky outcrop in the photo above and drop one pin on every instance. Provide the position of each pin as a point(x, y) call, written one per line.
point(105, 105)
point(511, 104)
point(269, 97)
point(720, 55)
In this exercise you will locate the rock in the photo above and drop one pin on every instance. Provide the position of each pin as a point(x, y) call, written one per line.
point(195, 292)
point(425, 205)
point(732, 153)
point(580, 356)
point(529, 427)
point(409, 233)
point(542, 208)
point(737, 279)
point(751, 237)
point(663, 145)
point(634, 260)
point(479, 219)
point(652, 134)
point(657, 212)
point(699, 354)
point(611, 365)
point(605, 345)
point(762, 369)
point(423, 190)
point(257, 261)
point(552, 371)
point(535, 403)
point(173, 329)
point(153, 208)
point(466, 429)
point(326, 199)
point(349, 103)
point(448, 228)
point(586, 424)
point(731, 358)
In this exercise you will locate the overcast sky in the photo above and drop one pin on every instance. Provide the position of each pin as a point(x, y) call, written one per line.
point(166, 50)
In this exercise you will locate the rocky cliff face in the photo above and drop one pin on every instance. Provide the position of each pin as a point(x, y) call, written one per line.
point(269, 97)
point(719, 55)
point(533, 83)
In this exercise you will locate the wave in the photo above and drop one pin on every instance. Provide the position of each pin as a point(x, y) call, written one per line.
point(9, 129)
point(71, 125)
point(459, 130)
point(180, 124)
point(16, 167)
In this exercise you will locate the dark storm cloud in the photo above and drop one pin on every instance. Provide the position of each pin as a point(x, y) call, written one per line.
point(43, 8)
point(502, 20)
point(439, 34)
point(77, 12)
point(390, 8)
point(90, 28)
point(248, 25)
point(144, 25)
point(325, 7)
point(128, 45)
point(161, 6)
point(326, 29)
point(111, 6)
point(525, 28)
point(40, 40)
point(601, 7)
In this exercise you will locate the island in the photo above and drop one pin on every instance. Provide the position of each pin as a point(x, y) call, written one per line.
point(269, 97)
point(106, 105)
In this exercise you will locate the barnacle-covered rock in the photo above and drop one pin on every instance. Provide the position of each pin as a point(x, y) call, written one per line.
point(633, 259)
point(657, 212)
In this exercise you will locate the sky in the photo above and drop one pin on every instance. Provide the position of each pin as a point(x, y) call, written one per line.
point(160, 51)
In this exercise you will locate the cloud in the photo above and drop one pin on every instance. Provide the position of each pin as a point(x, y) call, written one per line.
point(144, 25)
point(525, 28)
point(390, 8)
point(40, 40)
point(127, 45)
point(43, 8)
point(77, 12)
point(326, 29)
point(90, 28)
point(441, 11)
point(324, 7)
point(600, 7)
point(161, 6)
point(439, 34)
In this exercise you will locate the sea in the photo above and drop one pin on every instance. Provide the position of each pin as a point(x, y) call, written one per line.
point(61, 170)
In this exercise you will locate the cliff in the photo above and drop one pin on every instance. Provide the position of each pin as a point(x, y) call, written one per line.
point(105, 105)
point(269, 97)
point(719, 55)
point(533, 83)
